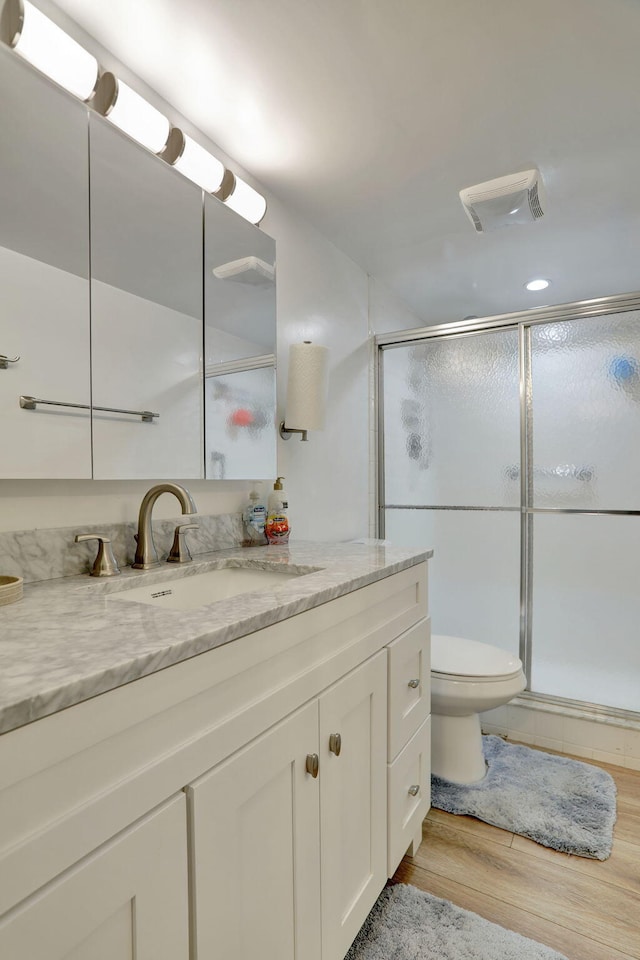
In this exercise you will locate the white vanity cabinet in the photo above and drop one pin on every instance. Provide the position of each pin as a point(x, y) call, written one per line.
point(271, 841)
point(255, 845)
point(408, 740)
point(283, 864)
point(126, 901)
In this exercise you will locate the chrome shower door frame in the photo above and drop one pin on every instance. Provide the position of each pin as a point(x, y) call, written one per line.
point(523, 321)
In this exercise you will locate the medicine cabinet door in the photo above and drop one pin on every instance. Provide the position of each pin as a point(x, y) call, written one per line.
point(44, 278)
point(146, 312)
point(240, 347)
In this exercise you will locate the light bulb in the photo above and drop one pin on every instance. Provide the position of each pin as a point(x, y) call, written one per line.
point(538, 284)
point(247, 202)
point(52, 51)
point(130, 112)
point(193, 161)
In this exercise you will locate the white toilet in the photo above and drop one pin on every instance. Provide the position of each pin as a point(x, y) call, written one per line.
point(467, 678)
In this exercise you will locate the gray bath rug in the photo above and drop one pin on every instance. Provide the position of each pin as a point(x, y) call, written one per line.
point(561, 803)
point(407, 924)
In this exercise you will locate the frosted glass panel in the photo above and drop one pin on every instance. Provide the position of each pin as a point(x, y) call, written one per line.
point(586, 412)
point(452, 422)
point(586, 609)
point(240, 417)
point(474, 577)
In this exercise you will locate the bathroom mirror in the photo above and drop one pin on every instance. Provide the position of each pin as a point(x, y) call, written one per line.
point(44, 271)
point(240, 346)
point(146, 312)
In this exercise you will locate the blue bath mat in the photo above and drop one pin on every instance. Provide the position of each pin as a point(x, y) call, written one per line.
point(407, 924)
point(561, 803)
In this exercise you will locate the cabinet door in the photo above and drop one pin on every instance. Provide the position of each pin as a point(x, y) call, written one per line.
point(44, 271)
point(146, 312)
point(353, 798)
point(256, 848)
point(240, 346)
point(128, 901)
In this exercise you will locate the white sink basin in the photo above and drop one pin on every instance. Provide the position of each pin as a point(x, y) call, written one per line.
point(188, 593)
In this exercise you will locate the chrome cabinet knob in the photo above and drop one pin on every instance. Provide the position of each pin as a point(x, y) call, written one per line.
point(335, 743)
point(414, 790)
point(313, 764)
point(414, 683)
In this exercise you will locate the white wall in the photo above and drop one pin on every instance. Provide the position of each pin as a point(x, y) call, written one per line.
point(322, 296)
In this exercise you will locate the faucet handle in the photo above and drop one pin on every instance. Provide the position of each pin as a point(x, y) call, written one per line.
point(105, 564)
point(179, 552)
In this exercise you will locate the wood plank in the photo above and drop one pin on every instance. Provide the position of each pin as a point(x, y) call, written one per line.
point(627, 826)
point(477, 827)
point(574, 945)
point(627, 781)
point(622, 869)
point(584, 903)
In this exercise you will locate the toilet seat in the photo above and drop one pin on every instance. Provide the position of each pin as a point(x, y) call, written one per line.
point(459, 659)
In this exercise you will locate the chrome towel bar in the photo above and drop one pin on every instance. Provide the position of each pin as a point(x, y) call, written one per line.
point(30, 403)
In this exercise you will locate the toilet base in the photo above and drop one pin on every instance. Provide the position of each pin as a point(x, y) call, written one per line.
point(456, 748)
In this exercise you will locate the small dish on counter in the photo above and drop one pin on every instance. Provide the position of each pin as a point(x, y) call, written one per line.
point(10, 589)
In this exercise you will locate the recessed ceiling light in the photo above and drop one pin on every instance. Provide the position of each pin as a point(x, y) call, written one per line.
point(538, 284)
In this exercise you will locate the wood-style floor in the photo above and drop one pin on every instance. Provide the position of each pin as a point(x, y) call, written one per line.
point(584, 909)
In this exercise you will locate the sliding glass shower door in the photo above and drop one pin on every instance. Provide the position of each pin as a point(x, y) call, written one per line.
point(584, 484)
point(515, 453)
point(451, 428)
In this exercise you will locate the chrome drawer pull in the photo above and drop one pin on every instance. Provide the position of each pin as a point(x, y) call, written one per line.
point(414, 683)
point(414, 790)
point(313, 764)
point(335, 743)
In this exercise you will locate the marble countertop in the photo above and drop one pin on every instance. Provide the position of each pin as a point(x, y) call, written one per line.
point(71, 639)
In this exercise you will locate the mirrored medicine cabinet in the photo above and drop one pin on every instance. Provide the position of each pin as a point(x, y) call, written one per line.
point(137, 315)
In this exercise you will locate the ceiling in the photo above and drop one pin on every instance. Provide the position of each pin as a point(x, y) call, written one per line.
point(368, 117)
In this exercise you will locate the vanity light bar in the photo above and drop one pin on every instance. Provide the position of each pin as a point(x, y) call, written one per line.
point(242, 198)
point(193, 161)
point(52, 51)
point(130, 112)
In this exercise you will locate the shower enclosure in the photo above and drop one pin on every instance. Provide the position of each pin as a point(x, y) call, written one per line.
point(512, 446)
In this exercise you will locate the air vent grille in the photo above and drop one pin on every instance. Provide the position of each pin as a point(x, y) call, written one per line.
point(534, 202)
point(506, 201)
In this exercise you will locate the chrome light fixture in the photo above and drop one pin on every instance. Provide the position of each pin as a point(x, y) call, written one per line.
point(130, 112)
point(52, 51)
point(306, 390)
point(193, 161)
point(242, 198)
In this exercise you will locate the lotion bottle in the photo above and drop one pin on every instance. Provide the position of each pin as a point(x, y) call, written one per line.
point(277, 527)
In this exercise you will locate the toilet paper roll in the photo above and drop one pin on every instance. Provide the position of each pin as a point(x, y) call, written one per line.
point(307, 386)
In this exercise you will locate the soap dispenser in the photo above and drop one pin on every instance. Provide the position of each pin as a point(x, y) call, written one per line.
point(277, 526)
point(254, 518)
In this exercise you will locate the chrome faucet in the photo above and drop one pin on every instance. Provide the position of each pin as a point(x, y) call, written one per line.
point(146, 553)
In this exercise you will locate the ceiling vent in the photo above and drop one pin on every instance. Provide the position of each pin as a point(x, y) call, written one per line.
point(518, 198)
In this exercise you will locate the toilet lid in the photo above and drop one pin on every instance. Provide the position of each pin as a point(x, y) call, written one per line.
point(470, 658)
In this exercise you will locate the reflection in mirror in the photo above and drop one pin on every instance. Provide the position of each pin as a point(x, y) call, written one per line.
point(240, 345)
point(44, 269)
point(146, 311)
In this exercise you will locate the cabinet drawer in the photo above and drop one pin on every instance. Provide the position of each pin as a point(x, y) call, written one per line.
point(412, 768)
point(409, 702)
